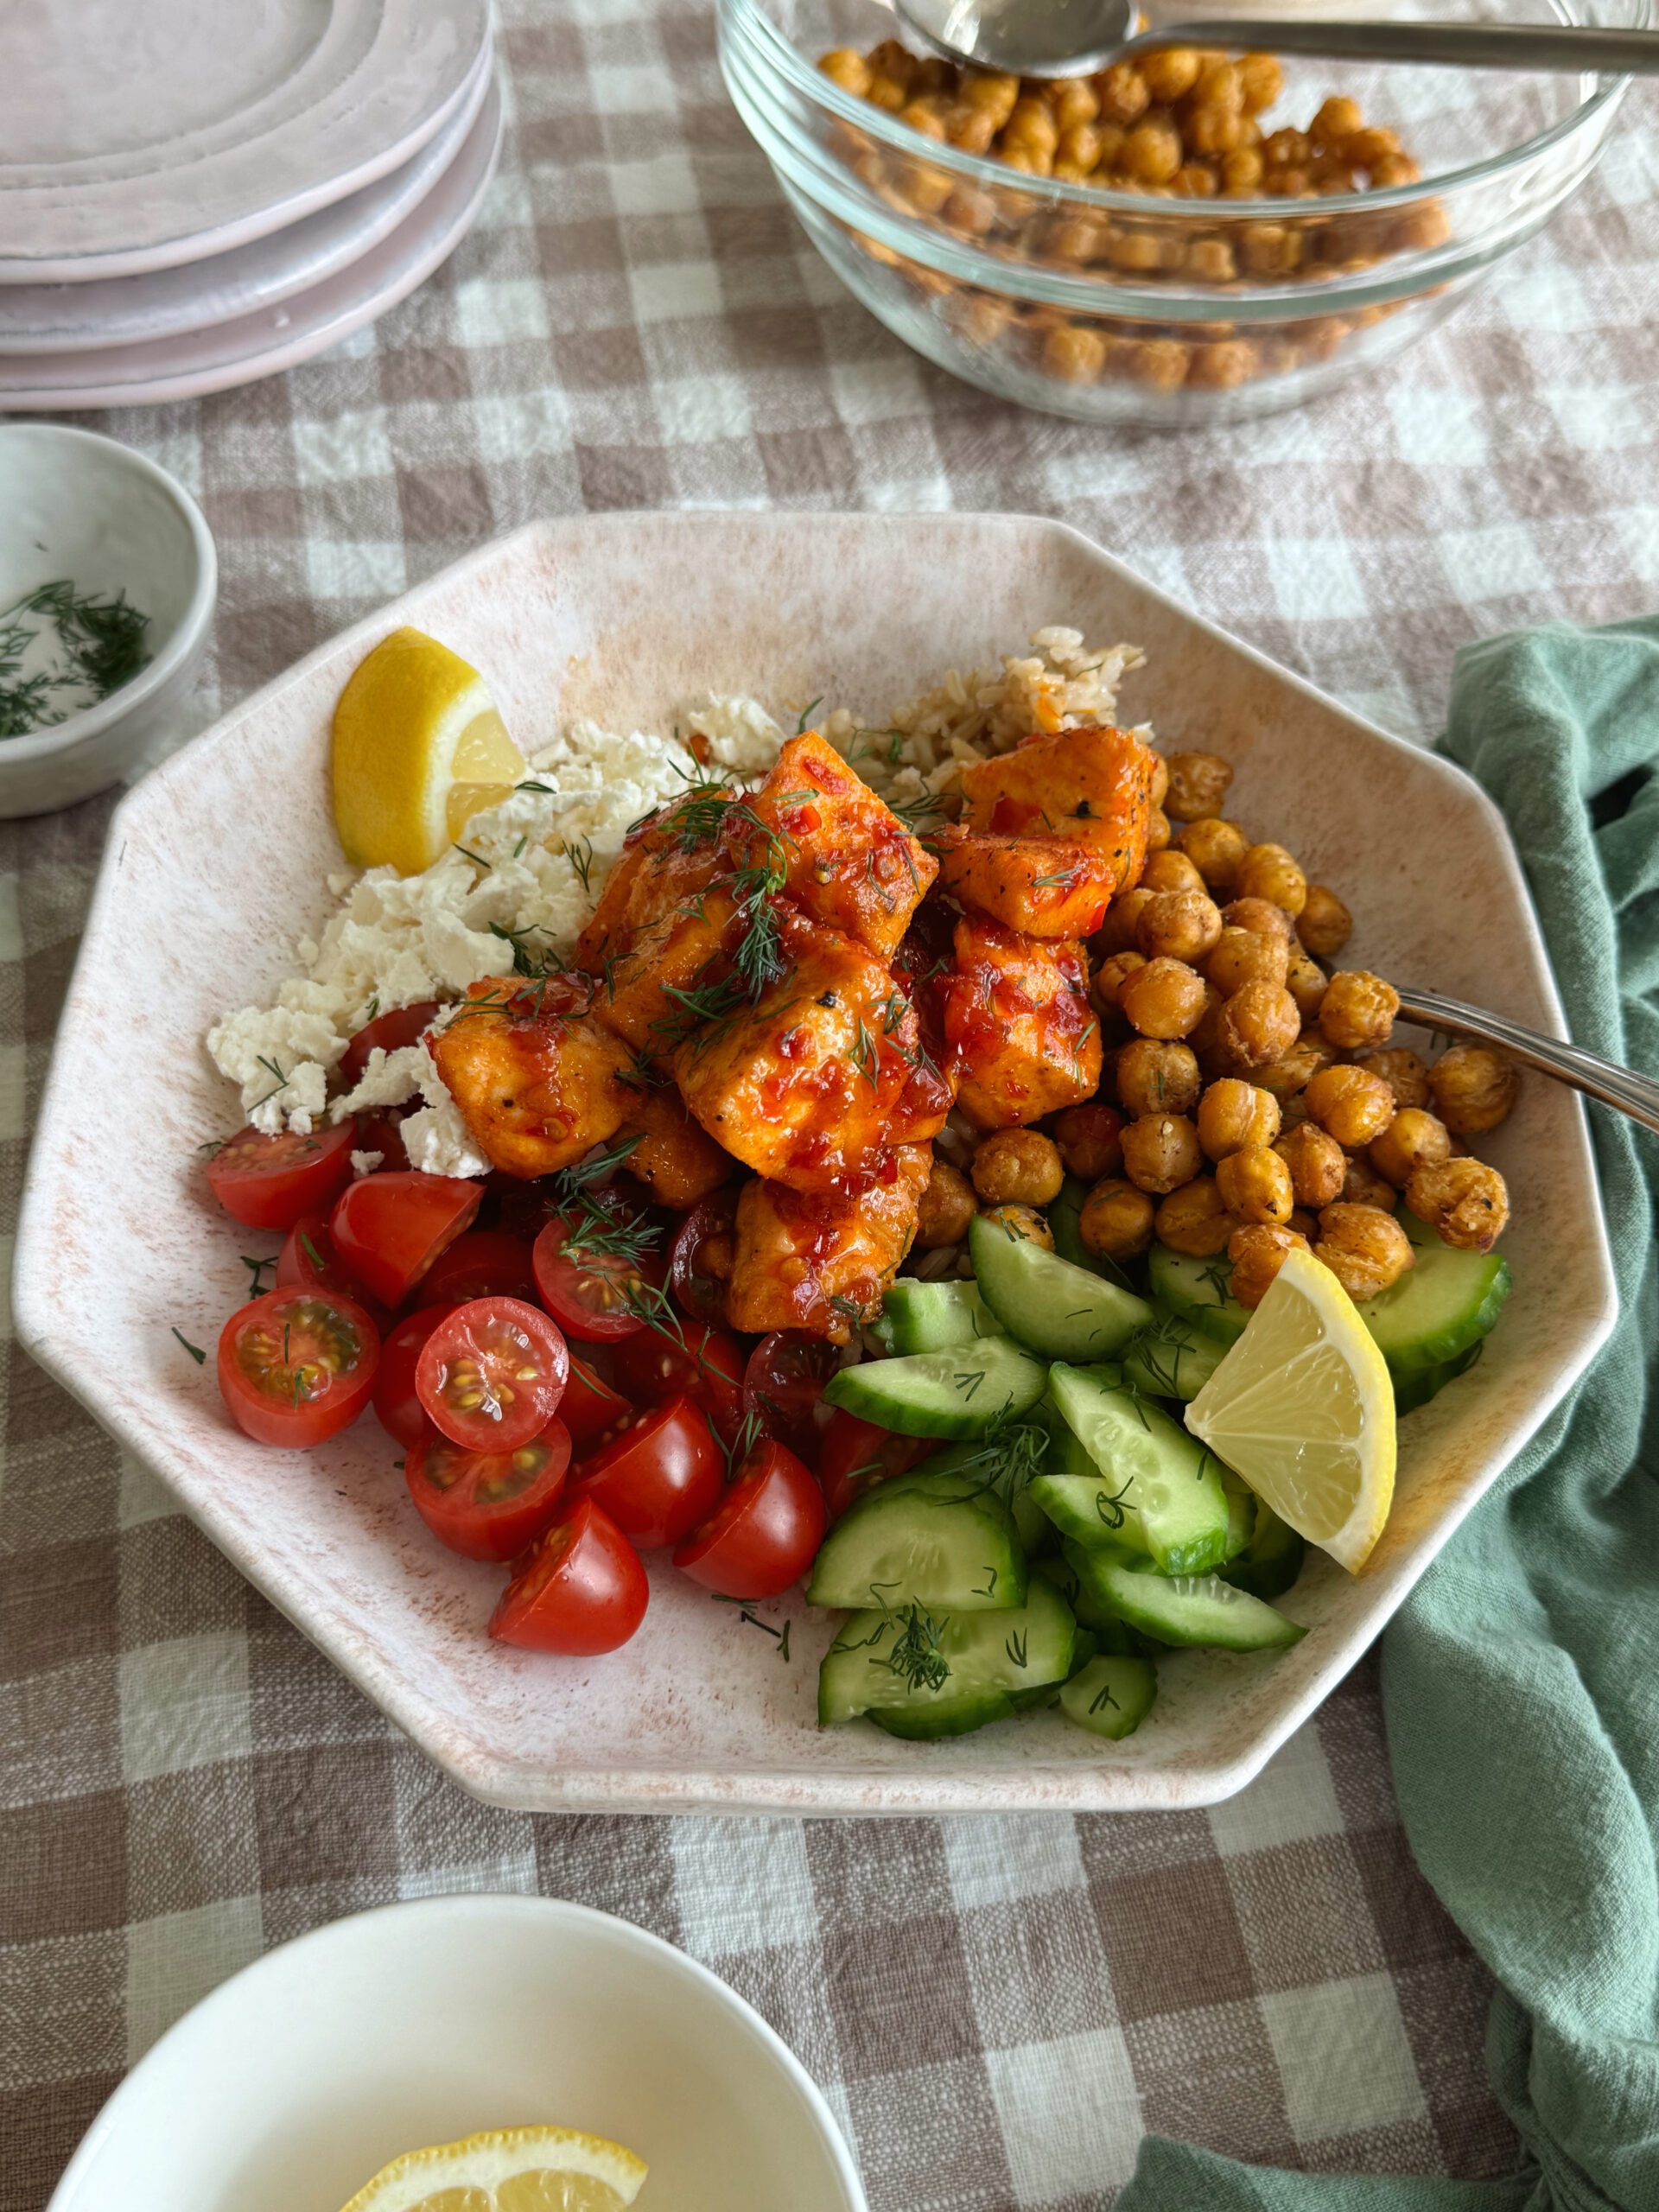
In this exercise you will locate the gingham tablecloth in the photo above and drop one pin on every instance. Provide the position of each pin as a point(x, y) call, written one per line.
point(997, 2009)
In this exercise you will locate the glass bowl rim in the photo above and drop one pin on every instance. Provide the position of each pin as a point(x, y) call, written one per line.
point(753, 24)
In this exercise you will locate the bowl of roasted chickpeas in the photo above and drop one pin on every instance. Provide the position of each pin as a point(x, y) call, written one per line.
point(1196, 235)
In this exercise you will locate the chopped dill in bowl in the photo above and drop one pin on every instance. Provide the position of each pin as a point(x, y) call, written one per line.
point(62, 651)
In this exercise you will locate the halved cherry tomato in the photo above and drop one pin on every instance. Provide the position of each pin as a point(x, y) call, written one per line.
point(384, 1132)
point(489, 1506)
point(388, 1228)
point(390, 1032)
point(590, 1406)
point(268, 1182)
point(297, 1365)
point(308, 1257)
point(784, 1383)
point(701, 1364)
point(700, 1263)
point(582, 1591)
point(658, 1478)
point(593, 1294)
point(855, 1455)
point(484, 1263)
point(491, 1374)
point(396, 1399)
point(764, 1534)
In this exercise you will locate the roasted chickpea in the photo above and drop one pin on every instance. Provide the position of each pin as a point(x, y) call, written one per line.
point(1023, 1223)
point(1152, 152)
point(1242, 172)
point(1171, 74)
point(1287, 1077)
point(1268, 872)
point(1193, 1219)
point(993, 91)
point(1234, 1115)
point(1354, 1105)
point(1259, 1022)
point(1160, 1151)
point(1465, 1202)
point(1032, 127)
point(1158, 831)
point(848, 70)
point(1263, 79)
point(1154, 1078)
point(1117, 931)
point(1197, 784)
point(1304, 1224)
point(1261, 917)
point(1178, 925)
point(1170, 871)
point(1324, 925)
point(1216, 848)
point(1075, 353)
point(1162, 998)
point(1160, 791)
point(1363, 1186)
point(1401, 1069)
point(1074, 100)
point(1018, 1168)
point(1241, 956)
point(1306, 981)
point(1317, 1163)
point(1358, 1010)
point(1473, 1089)
point(1365, 1249)
point(1109, 980)
point(1336, 121)
point(1089, 1139)
point(1115, 1222)
point(1257, 1252)
point(1122, 93)
point(1412, 1140)
point(947, 1206)
point(1255, 1183)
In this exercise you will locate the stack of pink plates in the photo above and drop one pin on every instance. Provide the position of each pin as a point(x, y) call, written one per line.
point(197, 192)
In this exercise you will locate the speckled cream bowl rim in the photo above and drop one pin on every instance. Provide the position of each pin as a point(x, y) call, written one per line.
point(187, 634)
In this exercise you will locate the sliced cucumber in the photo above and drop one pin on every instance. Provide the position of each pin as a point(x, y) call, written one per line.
point(927, 1723)
point(931, 1538)
point(1271, 1559)
point(1061, 1311)
point(1170, 1358)
point(1110, 1697)
point(984, 1465)
point(1184, 1609)
point(1064, 1215)
point(1111, 1634)
point(932, 1316)
point(1242, 1503)
point(984, 1657)
point(1449, 1302)
point(1085, 1646)
point(1199, 1291)
point(1158, 1491)
point(1423, 1383)
point(964, 1392)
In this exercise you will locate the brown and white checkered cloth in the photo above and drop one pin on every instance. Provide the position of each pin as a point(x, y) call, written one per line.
point(998, 2009)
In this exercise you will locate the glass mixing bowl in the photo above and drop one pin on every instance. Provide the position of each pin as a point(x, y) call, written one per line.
point(1114, 305)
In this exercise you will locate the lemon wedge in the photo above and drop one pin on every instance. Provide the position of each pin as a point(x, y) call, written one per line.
point(512, 2169)
point(419, 749)
point(1302, 1407)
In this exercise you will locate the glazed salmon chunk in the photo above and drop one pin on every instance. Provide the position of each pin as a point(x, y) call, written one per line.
point(803, 1084)
point(821, 1260)
point(1091, 786)
point(845, 856)
point(537, 1081)
point(1044, 887)
point(1018, 1024)
point(678, 1163)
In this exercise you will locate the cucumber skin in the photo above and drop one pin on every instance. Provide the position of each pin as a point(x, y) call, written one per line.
point(1177, 1282)
point(1112, 1636)
point(932, 1316)
point(1271, 1562)
point(1411, 1391)
point(1202, 1548)
point(861, 1390)
point(1047, 1615)
point(1031, 1281)
point(996, 1530)
point(960, 1716)
point(1132, 1683)
point(1153, 1604)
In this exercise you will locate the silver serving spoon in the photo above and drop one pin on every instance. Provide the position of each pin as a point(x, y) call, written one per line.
point(1632, 1094)
point(1068, 38)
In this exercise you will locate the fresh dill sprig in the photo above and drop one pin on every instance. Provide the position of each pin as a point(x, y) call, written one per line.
point(100, 643)
point(257, 1285)
point(195, 1350)
point(584, 1175)
point(580, 857)
point(916, 1656)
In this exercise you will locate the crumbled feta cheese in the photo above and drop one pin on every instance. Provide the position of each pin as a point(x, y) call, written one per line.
point(742, 735)
point(365, 1163)
point(281, 1056)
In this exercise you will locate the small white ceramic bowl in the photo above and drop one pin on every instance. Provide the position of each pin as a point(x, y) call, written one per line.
point(78, 505)
point(303, 2075)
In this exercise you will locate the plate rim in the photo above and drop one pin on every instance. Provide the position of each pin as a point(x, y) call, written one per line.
point(497, 1780)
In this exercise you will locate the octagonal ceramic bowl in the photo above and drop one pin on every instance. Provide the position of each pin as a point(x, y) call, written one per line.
point(219, 860)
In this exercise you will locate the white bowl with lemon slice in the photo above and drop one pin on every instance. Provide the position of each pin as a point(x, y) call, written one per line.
point(503, 2045)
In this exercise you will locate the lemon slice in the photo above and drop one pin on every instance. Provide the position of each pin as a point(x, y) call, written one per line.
point(419, 749)
point(1302, 1407)
point(513, 2169)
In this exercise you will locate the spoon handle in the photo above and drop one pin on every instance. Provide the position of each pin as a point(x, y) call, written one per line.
point(1562, 47)
point(1622, 1088)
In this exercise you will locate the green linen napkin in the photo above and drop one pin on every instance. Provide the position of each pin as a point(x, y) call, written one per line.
point(1521, 1682)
